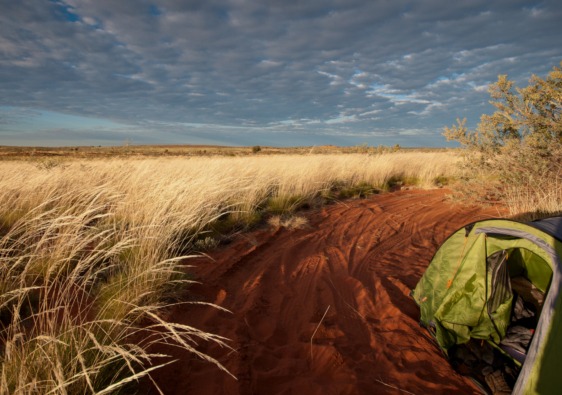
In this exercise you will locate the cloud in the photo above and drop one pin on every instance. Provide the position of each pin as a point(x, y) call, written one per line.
point(348, 66)
point(341, 119)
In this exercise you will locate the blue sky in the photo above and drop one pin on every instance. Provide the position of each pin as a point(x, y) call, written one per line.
point(276, 72)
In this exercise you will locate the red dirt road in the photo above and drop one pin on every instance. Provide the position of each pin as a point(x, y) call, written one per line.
point(355, 262)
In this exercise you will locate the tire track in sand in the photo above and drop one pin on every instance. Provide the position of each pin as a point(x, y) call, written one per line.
point(361, 259)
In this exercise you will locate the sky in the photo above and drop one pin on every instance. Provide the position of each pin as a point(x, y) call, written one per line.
point(262, 72)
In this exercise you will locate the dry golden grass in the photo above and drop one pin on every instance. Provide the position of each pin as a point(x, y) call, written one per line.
point(530, 194)
point(535, 201)
point(290, 222)
point(190, 192)
point(93, 250)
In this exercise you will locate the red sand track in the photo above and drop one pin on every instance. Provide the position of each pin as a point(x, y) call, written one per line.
point(357, 260)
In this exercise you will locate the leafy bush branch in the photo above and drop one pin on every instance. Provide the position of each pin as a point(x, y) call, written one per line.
point(520, 144)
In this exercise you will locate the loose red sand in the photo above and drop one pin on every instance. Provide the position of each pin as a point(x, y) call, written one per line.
point(357, 262)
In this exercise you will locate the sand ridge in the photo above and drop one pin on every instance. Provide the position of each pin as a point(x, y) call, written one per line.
point(325, 309)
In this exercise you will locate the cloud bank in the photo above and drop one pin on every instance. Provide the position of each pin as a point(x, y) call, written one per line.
point(251, 72)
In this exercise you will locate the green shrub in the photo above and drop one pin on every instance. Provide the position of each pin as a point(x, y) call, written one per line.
point(360, 190)
point(518, 149)
point(284, 204)
point(442, 181)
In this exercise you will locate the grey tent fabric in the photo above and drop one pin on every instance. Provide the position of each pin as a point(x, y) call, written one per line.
point(551, 226)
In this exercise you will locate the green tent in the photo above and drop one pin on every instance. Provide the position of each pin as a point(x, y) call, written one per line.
point(477, 279)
